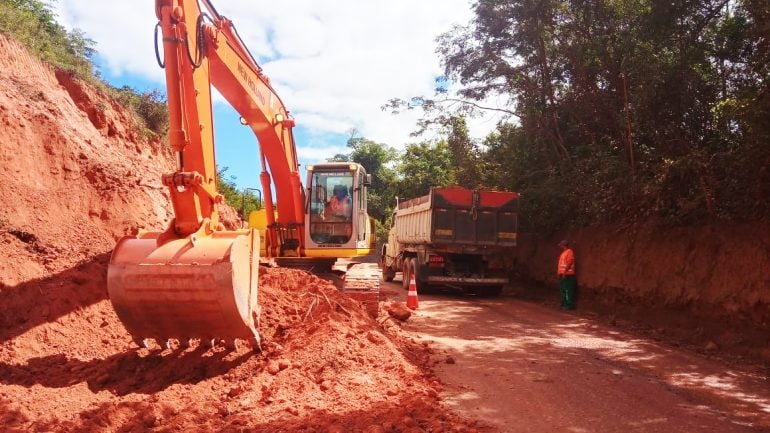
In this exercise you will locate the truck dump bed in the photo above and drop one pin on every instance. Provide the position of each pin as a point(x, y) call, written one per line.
point(456, 216)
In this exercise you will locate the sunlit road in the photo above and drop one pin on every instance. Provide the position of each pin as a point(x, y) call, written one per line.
point(525, 367)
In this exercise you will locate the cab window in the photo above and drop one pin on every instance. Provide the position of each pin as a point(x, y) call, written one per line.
point(331, 207)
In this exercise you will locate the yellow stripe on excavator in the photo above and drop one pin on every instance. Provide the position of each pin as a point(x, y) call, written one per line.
point(336, 252)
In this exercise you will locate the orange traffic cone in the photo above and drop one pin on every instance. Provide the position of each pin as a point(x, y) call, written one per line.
point(411, 296)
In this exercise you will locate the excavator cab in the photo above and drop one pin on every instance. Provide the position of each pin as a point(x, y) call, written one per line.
point(339, 223)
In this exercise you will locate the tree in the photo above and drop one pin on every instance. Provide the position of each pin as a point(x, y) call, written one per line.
point(465, 155)
point(422, 166)
point(34, 24)
point(630, 108)
point(243, 201)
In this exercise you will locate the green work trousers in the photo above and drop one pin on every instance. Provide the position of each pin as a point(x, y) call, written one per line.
point(567, 288)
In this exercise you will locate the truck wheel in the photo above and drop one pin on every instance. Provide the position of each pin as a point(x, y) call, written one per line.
point(387, 273)
point(408, 271)
point(422, 286)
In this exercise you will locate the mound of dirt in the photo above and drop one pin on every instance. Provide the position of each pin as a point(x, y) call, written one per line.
point(79, 177)
point(326, 366)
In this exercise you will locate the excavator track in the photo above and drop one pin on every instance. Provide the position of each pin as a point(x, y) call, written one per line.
point(361, 281)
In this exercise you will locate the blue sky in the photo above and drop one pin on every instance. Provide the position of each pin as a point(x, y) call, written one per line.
point(333, 63)
point(236, 147)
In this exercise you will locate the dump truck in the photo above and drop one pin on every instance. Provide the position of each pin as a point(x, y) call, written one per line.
point(454, 237)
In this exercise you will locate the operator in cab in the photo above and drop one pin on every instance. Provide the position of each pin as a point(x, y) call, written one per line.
point(340, 207)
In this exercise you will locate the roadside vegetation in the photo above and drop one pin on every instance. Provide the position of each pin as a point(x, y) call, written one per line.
point(623, 111)
point(32, 23)
point(618, 112)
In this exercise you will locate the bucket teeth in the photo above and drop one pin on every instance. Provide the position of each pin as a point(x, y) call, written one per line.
point(181, 344)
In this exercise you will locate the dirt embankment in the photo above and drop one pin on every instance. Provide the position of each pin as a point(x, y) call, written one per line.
point(718, 274)
point(79, 175)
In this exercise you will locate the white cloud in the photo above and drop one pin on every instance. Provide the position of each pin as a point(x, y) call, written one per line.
point(314, 154)
point(334, 63)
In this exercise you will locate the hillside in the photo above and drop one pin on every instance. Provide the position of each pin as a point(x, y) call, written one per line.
point(705, 286)
point(78, 172)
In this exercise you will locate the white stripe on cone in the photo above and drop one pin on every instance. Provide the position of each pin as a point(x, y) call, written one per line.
point(411, 296)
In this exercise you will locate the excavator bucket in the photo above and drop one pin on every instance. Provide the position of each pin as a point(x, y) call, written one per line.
point(199, 287)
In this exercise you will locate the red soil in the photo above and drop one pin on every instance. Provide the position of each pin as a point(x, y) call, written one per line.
point(67, 364)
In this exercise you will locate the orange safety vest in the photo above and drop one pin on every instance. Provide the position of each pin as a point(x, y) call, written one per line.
point(567, 262)
point(340, 207)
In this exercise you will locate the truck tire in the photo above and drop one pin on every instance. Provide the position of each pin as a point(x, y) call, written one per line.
point(408, 271)
point(422, 286)
point(387, 272)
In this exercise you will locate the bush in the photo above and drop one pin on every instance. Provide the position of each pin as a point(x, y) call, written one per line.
point(33, 24)
point(150, 107)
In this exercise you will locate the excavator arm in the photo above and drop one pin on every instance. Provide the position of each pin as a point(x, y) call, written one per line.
point(202, 49)
point(195, 279)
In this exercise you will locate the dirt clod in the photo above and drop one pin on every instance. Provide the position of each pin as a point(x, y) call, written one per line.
point(399, 311)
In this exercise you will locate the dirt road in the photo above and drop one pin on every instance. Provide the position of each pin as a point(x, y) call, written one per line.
point(528, 367)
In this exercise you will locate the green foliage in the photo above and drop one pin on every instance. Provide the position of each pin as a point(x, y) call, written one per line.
point(423, 166)
point(623, 109)
point(244, 201)
point(381, 230)
point(34, 25)
point(150, 107)
point(466, 161)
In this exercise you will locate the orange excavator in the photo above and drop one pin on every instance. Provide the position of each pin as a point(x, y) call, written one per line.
point(196, 280)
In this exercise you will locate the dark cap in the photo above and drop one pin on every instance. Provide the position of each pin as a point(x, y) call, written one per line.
point(564, 243)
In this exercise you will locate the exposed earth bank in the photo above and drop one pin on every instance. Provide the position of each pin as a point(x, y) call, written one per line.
point(79, 172)
point(710, 284)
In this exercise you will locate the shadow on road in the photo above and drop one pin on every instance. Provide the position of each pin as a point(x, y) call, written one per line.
point(124, 373)
point(544, 358)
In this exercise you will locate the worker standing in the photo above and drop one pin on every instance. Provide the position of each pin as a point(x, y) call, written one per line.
point(567, 279)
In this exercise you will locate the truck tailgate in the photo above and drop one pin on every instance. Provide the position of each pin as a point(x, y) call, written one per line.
point(459, 216)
